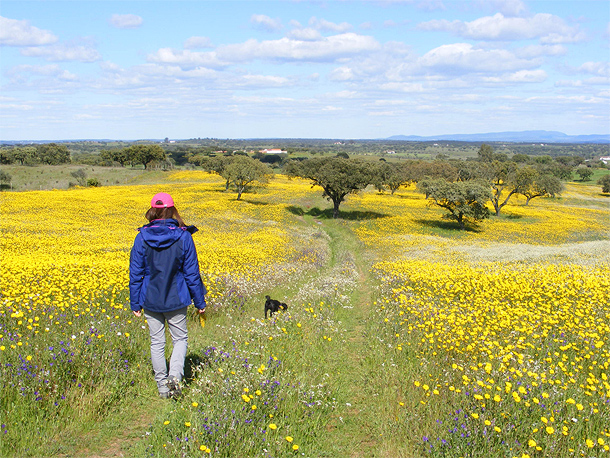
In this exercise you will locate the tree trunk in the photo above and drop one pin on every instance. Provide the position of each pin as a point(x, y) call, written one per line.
point(460, 220)
point(336, 204)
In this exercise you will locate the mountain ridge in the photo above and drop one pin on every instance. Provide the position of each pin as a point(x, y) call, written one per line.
point(526, 136)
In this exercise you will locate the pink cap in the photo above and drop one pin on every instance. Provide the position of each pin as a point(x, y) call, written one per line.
point(162, 200)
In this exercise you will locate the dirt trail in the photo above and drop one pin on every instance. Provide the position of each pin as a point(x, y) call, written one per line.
point(353, 430)
point(354, 426)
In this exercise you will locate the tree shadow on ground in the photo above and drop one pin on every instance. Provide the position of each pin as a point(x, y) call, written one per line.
point(509, 216)
point(354, 215)
point(255, 202)
point(410, 197)
point(448, 225)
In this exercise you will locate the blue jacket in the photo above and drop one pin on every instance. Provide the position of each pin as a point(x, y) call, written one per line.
point(164, 270)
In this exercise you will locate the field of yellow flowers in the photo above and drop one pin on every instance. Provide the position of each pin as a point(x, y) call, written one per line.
point(489, 342)
point(509, 326)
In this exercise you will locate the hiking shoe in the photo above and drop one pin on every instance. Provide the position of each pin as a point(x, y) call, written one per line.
point(174, 387)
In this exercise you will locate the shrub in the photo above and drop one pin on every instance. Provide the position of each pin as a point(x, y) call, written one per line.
point(605, 183)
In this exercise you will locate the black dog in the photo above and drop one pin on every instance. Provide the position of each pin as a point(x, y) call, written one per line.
point(272, 306)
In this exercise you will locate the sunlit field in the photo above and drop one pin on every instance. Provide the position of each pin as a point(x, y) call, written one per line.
point(404, 336)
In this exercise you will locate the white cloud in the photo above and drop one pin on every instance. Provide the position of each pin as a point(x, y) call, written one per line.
point(506, 7)
point(125, 21)
point(197, 43)
point(403, 87)
point(43, 70)
point(595, 81)
point(64, 52)
point(342, 74)
point(464, 58)
point(327, 49)
point(568, 83)
point(262, 22)
point(21, 33)
point(550, 29)
point(175, 72)
point(596, 68)
point(185, 58)
point(533, 51)
point(305, 34)
point(345, 94)
point(431, 5)
point(522, 76)
point(262, 81)
point(327, 26)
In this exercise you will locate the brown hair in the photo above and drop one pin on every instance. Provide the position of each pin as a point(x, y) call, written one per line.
point(164, 213)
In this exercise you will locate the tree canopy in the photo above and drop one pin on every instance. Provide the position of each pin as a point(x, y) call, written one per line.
point(337, 176)
point(243, 171)
point(463, 200)
point(145, 154)
point(53, 154)
point(605, 183)
point(530, 183)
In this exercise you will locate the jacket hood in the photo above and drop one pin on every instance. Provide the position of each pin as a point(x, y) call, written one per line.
point(161, 233)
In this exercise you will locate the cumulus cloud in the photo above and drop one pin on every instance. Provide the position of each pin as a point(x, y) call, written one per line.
point(550, 29)
point(522, 76)
point(327, 26)
point(506, 7)
point(327, 49)
point(305, 34)
point(262, 22)
point(125, 21)
point(197, 43)
point(185, 58)
point(64, 52)
point(341, 74)
point(532, 51)
point(596, 68)
point(403, 87)
point(465, 58)
point(43, 70)
point(21, 33)
point(262, 81)
point(431, 5)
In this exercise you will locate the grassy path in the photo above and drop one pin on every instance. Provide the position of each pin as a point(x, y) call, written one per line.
point(365, 395)
point(358, 427)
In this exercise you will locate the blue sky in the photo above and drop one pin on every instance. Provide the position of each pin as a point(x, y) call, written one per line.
point(307, 69)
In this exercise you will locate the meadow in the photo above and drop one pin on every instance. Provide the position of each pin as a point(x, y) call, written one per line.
point(404, 336)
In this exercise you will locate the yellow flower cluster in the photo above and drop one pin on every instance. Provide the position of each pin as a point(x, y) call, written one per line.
point(406, 219)
point(506, 337)
point(69, 250)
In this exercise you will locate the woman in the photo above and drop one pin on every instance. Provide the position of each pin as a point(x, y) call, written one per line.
point(163, 280)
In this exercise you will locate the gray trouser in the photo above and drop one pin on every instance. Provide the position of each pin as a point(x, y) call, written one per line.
point(176, 321)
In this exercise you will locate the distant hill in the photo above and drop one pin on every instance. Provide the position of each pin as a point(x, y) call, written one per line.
point(527, 136)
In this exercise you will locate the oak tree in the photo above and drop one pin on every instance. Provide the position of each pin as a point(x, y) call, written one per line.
point(463, 200)
point(337, 176)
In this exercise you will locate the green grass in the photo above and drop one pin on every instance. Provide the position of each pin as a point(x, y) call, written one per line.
point(332, 379)
point(34, 178)
point(592, 181)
